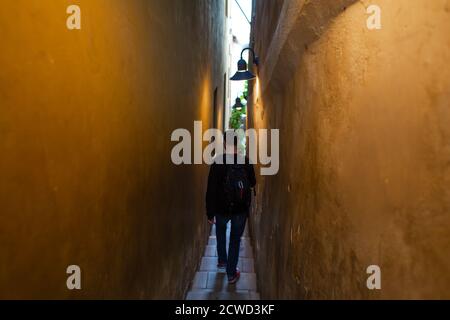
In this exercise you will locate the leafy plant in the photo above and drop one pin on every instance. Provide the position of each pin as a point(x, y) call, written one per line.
point(237, 119)
point(244, 95)
point(237, 116)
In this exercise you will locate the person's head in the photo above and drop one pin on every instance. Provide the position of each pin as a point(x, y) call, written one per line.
point(230, 140)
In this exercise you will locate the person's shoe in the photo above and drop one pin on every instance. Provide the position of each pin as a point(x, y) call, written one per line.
point(221, 265)
point(235, 278)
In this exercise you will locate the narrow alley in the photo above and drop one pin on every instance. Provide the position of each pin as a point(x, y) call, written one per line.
point(109, 111)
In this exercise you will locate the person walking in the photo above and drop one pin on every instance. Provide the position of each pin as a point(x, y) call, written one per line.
point(228, 198)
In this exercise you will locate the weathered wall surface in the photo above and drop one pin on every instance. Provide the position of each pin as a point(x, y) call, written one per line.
point(85, 124)
point(364, 175)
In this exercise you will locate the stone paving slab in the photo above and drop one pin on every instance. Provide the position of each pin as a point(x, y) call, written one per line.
point(219, 282)
point(245, 265)
point(213, 295)
point(245, 251)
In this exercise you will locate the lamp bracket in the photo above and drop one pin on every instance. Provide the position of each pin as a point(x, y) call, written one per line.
point(255, 57)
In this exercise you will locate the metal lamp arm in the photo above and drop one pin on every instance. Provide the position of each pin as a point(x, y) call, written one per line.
point(255, 57)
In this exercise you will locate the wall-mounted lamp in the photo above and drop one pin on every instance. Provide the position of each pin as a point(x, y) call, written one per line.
point(243, 73)
point(238, 105)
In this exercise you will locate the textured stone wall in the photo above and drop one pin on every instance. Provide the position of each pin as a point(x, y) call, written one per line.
point(364, 174)
point(85, 123)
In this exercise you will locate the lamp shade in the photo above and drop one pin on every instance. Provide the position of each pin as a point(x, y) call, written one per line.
point(242, 73)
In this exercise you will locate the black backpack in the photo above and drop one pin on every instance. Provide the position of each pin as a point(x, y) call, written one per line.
point(237, 186)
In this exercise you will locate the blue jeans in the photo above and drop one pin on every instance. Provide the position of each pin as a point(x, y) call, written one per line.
point(237, 229)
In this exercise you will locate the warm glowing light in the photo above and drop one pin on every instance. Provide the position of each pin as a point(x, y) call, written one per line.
point(205, 98)
point(256, 91)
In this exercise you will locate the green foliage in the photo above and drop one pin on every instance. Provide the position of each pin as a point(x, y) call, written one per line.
point(244, 95)
point(236, 119)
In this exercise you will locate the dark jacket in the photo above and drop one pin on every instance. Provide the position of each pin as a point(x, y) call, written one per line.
point(215, 197)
